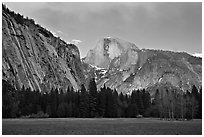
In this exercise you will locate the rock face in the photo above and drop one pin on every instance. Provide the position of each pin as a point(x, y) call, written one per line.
point(122, 65)
point(33, 57)
point(112, 52)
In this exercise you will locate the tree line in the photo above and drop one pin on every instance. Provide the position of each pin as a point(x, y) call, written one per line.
point(174, 104)
point(103, 103)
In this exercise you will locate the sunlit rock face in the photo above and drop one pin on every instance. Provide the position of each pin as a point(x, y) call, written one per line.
point(33, 57)
point(112, 51)
point(121, 65)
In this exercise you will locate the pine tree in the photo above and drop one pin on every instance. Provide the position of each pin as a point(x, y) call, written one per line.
point(28, 101)
point(139, 103)
point(84, 103)
point(188, 105)
point(146, 101)
point(22, 101)
point(182, 105)
point(158, 104)
point(54, 102)
point(92, 98)
point(115, 104)
point(109, 103)
point(101, 102)
point(122, 105)
point(194, 101)
point(75, 104)
point(68, 96)
point(133, 110)
point(166, 101)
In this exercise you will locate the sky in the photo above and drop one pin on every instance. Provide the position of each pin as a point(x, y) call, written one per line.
point(167, 26)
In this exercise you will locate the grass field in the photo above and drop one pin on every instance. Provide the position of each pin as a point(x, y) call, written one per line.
point(100, 126)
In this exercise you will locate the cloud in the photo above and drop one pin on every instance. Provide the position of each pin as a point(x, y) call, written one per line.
point(75, 41)
point(59, 31)
point(83, 11)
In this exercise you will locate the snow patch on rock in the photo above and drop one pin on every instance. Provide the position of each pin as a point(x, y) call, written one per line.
point(96, 67)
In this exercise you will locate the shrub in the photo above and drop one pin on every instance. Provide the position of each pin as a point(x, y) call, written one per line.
point(139, 116)
point(40, 114)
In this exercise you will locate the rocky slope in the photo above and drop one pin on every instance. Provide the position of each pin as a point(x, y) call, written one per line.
point(121, 65)
point(33, 57)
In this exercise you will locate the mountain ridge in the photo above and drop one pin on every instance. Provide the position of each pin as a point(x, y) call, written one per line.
point(149, 68)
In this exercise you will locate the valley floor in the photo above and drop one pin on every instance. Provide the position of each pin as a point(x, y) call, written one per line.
point(100, 126)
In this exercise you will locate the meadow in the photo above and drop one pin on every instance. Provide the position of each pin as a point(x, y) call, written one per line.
point(100, 126)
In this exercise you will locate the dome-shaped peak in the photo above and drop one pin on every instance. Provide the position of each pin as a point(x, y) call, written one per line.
point(112, 41)
point(109, 48)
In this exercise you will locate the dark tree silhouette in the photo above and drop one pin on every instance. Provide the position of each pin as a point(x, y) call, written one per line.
point(84, 102)
point(92, 98)
point(168, 103)
point(101, 102)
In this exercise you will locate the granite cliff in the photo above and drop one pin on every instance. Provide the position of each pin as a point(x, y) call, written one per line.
point(33, 57)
